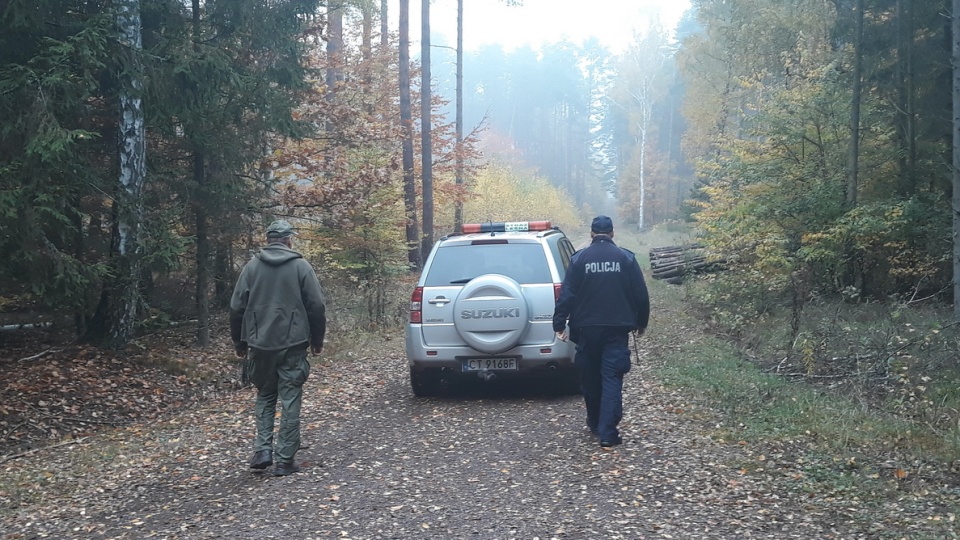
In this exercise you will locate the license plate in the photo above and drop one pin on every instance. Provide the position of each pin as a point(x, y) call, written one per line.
point(489, 364)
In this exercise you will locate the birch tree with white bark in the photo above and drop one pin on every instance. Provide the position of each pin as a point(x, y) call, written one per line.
point(133, 172)
point(636, 94)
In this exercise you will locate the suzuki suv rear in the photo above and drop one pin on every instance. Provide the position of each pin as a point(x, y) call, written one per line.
point(483, 307)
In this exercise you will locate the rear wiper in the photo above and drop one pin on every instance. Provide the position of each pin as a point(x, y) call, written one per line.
point(461, 281)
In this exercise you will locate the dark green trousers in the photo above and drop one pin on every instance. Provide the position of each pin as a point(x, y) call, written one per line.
point(279, 375)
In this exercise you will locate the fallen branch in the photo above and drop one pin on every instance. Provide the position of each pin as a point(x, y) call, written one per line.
point(78, 420)
point(25, 326)
point(815, 376)
point(12, 430)
point(115, 423)
point(26, 453)
point(38, 355)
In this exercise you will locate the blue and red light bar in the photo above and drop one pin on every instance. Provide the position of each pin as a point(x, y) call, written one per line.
point(506, 226)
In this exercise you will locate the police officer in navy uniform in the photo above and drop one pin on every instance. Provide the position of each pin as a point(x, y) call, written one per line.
point(603, 298)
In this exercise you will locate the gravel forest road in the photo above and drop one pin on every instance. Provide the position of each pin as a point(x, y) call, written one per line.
point(493, 462)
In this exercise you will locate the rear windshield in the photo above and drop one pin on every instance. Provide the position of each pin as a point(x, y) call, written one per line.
point(525, 263)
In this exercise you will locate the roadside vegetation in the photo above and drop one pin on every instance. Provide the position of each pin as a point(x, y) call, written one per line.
point(859, 401)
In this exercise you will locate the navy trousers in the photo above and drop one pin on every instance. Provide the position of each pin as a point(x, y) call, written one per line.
point(603, 356)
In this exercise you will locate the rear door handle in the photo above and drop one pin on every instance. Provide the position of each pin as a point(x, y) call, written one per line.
point(440, 300)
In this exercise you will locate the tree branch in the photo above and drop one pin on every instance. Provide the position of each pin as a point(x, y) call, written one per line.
point(26, 453)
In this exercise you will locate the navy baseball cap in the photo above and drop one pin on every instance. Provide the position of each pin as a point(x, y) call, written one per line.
point(601, 225)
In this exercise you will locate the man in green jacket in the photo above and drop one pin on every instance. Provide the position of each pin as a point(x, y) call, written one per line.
point(276, 314)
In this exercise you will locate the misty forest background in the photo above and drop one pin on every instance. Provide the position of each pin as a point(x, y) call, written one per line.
point(144, 144)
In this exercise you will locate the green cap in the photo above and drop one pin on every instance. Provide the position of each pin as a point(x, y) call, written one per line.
point(280, 228)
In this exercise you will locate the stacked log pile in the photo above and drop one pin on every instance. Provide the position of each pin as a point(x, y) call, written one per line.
point(672, 263)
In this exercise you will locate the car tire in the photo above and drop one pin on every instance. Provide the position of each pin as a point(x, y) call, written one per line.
point(424, 383)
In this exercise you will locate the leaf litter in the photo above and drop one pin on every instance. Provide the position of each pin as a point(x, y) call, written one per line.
point(121, 447)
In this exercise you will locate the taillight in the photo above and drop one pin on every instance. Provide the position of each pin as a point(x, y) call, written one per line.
point(556, 291)
point(416, 306)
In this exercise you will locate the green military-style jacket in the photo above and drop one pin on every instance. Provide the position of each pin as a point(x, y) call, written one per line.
point(277, 302)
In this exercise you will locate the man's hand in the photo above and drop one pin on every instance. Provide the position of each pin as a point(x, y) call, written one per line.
point(240, 349)
point(316, 349)
point(562, 336)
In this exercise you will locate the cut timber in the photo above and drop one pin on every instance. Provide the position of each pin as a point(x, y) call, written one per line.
point(680, 269)
point(672, 263)
point(661, 251)
point(666, 263)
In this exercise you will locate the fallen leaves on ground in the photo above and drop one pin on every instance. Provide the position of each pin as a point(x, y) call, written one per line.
point(380, 463)
point(74, 391)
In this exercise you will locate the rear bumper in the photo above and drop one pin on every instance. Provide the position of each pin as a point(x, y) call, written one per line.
point(530, 358)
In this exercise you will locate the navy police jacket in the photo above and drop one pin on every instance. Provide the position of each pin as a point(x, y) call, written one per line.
point(603, 286)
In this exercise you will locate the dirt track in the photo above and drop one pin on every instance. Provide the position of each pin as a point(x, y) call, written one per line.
point(494, 462)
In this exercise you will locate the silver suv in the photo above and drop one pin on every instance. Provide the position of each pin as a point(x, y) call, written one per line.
point(484, 307)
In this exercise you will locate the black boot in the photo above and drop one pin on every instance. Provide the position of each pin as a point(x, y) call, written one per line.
point(610, 443)
point(262, 459)
point(284, 469)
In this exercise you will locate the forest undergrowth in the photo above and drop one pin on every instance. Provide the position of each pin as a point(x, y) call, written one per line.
point(861, 398)
point(889, 368)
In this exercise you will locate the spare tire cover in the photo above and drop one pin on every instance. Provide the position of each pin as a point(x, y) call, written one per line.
point(490, 313)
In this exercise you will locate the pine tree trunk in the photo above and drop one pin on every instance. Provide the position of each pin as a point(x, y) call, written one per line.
point(366, 34)
point(911, 98)
point(426, 144)
point(905, 87)
point(406, 122)
point(79, 252)
point(458, 204)
point(200, 213)
point(203, 254)
point(222, 276)
point(854, 269)
point(853, 161)
point(955, 27)
point(384, 26)
point(334, 46)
